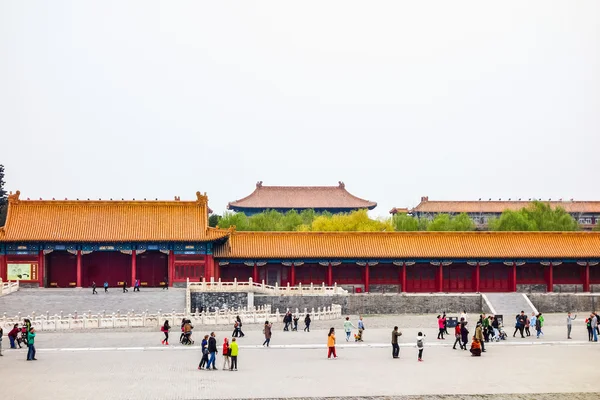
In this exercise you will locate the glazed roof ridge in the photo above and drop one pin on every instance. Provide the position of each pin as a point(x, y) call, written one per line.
point(427, 205)
point(301, 197)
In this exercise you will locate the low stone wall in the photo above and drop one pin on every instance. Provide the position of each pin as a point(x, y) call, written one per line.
point(565, 302)
point(567, 288)
point(531, 288)
point(210, 301)
point(372, 303)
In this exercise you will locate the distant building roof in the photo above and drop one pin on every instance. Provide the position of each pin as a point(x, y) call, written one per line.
point(407, 245)
point(108, 221)
point(497, 206)
point(301, 197)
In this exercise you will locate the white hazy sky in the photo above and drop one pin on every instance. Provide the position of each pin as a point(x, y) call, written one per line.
point(398, 99)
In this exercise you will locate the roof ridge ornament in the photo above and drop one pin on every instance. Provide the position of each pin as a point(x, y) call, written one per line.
point(341, 185)
point(14, 198)
point(201, 199)
point(259, 184)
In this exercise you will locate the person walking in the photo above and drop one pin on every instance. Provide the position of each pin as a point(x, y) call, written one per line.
point(239, 321)
point(204, 348)
point(441, 322)
point(538, 327)
point(532, 320)
point(234, 354)
point(540, 318)
point(295, 328)
point(570, 323)
point(588, 324)
point(136, 285)
point(12, 336)
point(30, 345)
point(165, 329)
point(463, 315)
point(348, 328)
point(287, 320)
point(395, 348)
point(166, 281)
point(226, 354)
point(125, 287)
point(479, 336)
point(594, 325)
point(520, 322)
point(464, 334)
point(307, 323)
point(486, 328)
point(236, 329)
point(267, 332)
point(445, 324)
point(1, 334)
point(597, 323)
point(94, 288)
point(331, 343)
point(457, 336)
point(212, 351)
point(421, 345)
point(105, 287)
point(361, 328)
point(527, 324)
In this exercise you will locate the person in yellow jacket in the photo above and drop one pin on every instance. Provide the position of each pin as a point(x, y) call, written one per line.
point(234, 354)
point(331, 343)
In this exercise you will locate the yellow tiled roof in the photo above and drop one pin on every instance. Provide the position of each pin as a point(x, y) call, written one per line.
point(484, 206)
point(406, 245)
point(108, 221)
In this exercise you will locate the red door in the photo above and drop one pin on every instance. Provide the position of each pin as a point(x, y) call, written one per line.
point(421, 278)
point(458, 278)
point(62, 269)
point(152, 268)
point(494, 278)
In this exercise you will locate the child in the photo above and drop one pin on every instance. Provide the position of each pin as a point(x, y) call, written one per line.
point(234, 355)
point(420, 344)
point(295, 328)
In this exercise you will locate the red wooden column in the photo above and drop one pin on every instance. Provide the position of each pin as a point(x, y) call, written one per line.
point(513, 277)
point(78, 268)
point(133, 267)
point(329, 274)
point(255, 273)
point(217, 269)
point(41, 259)
point(550, 278)
point(477, 279)
point(293, 274)
point(3, 271)
point(440, 279)
point(367, 278)
point(171, 268)
point(403, 277)
point(586, 277)
point(209, 267)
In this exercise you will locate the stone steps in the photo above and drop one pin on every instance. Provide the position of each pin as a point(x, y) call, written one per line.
point(509, 304)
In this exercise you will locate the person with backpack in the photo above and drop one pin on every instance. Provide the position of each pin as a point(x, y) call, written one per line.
point(331, 343)
point(239, 321)
point(421, 345)
point(457, 335)
point(165, 329)
point(234, 354)
point(226, 354)
point(395, 347)
point(307, 323)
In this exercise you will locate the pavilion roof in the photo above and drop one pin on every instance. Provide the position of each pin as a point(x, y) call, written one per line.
point(489, 207)
point(108, 221)
point(301, 197)
point(406, 245)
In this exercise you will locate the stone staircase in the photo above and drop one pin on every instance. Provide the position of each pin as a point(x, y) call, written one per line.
point(509, 304)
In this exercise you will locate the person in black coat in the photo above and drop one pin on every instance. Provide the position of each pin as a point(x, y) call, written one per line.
point(212, 351)
point(464, 333)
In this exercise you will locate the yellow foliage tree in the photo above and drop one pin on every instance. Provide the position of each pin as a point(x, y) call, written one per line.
point(356, 221)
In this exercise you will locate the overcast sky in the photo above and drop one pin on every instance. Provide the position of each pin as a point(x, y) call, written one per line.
point(398, 99)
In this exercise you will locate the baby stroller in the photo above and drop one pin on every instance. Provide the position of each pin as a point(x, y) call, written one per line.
point(358, 336)
point(499, 334)
point(23, 338)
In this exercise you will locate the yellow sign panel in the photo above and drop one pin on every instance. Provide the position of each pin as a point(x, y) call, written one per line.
point(22, 271)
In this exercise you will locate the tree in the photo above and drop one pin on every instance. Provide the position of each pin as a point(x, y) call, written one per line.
point(536, 217)
point(443, 222)
point(213, 220)
point(3, 197)
point(356, 221)
point(239, 220)
point(405, 223)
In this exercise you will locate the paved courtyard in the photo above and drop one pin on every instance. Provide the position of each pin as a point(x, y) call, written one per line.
point(133, 365)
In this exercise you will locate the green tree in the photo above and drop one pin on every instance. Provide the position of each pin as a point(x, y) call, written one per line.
point(239, 220)
point(403, 223)
point(536, 217)
point(3, 197)
point(444, 222)
point(213, 220)
point(356, 221)
point(269, 220)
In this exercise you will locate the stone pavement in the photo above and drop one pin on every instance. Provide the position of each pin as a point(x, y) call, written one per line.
point(81, 300)
point(170, 373)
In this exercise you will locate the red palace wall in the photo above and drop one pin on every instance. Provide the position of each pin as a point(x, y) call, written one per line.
point(101, 266)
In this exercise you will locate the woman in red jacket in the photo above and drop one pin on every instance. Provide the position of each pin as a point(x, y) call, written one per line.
point(226, 354)
point(12, 336)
